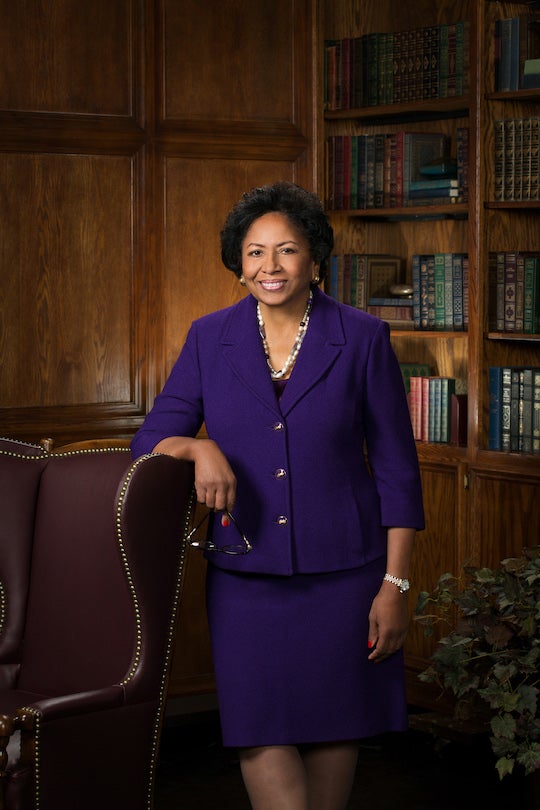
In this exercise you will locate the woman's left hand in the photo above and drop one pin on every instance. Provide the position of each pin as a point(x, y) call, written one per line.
point(388, 622)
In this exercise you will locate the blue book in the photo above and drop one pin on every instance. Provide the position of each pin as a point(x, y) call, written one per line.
point(438, 182)
point(391, 302)
point(416, 289)
point(431, 291)
point(495, 408)
point(531, 309)
point(506, 407)
point(433, 193)
point(514, 53)
point(435, 409)
point(504, 32)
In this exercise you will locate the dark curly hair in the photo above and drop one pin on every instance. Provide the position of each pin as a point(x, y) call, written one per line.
point(302, 208)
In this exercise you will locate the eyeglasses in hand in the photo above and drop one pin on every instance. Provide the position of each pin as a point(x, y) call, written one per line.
point(207, 544)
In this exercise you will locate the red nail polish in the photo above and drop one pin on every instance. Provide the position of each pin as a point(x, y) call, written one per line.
point(225, 520)
point(370, 644)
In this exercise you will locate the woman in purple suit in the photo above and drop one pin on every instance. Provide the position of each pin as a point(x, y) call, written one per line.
point(310, 471)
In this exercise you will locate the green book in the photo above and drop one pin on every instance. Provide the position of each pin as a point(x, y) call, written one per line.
point(531, 295)
point(448, 387)
point(439, 291)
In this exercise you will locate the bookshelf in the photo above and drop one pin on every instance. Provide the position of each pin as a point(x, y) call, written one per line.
point(482, 505)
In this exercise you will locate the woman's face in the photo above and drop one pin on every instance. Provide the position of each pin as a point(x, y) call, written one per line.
point(276, 262)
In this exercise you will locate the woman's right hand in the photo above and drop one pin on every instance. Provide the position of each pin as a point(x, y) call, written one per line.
point(215, 482)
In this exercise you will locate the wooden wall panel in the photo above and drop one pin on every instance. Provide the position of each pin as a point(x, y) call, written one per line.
point(64, 56)
point(219, 57)
point(506, 516)
point(237, 80)
point(67, 253)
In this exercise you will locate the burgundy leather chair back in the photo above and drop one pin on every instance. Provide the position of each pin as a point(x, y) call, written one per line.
point(81, 624)
point(21, 466)
point(91, 567)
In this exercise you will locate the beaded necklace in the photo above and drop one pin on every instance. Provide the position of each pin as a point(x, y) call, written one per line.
point(302, 329)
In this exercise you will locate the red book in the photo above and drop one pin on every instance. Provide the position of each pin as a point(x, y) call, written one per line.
point(415, 406)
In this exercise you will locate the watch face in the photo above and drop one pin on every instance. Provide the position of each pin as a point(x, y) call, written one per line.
point(404, 586)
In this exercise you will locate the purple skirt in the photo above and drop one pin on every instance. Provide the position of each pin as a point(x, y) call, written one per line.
point(290, 657)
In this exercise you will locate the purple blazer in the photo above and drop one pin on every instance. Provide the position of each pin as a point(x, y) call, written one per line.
point(306, 498)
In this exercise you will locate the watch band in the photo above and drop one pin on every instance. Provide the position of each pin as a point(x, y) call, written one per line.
point(402, 584)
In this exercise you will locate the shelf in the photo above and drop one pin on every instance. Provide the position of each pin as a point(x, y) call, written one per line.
point(514, 336)
point(429, 110)
point(496, 462)
point(425, 334)
point(508, 205)
point(532, 94)
point(417, 212)
point(439, 452)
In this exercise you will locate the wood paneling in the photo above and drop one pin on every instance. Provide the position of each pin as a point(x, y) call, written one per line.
point(64, 56)
point(436, 551)
point(229, 61)
point(505, 515)
point(127, 131)
point(67, 306)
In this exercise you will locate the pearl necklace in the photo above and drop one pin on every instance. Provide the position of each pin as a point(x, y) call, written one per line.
point(302, 329)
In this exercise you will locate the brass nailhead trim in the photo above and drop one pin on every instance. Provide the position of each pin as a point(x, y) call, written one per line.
point(37, 753)
point(2, 606)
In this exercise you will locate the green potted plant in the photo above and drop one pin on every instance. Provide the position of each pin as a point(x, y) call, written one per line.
point(490, 660)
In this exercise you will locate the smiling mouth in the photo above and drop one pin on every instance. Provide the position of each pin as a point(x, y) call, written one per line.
point(272, 285)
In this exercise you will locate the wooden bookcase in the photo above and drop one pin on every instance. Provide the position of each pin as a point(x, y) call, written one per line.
point(481, 505)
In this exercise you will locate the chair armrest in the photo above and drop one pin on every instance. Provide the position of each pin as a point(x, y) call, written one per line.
point(110, 697)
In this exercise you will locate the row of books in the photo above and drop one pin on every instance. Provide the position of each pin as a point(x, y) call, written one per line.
point(516, 164)
point(514, 409)
point(391, 68)
point(363, 280)
point(394, 170)
point(517, 40)
point(514, 291)
point(438, 409)
point(440, 291)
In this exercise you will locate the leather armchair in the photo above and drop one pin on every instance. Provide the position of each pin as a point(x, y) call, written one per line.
point(92, 550)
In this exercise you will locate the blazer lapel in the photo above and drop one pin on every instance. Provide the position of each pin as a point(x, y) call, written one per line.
point(242, 350)
point(321, 347)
